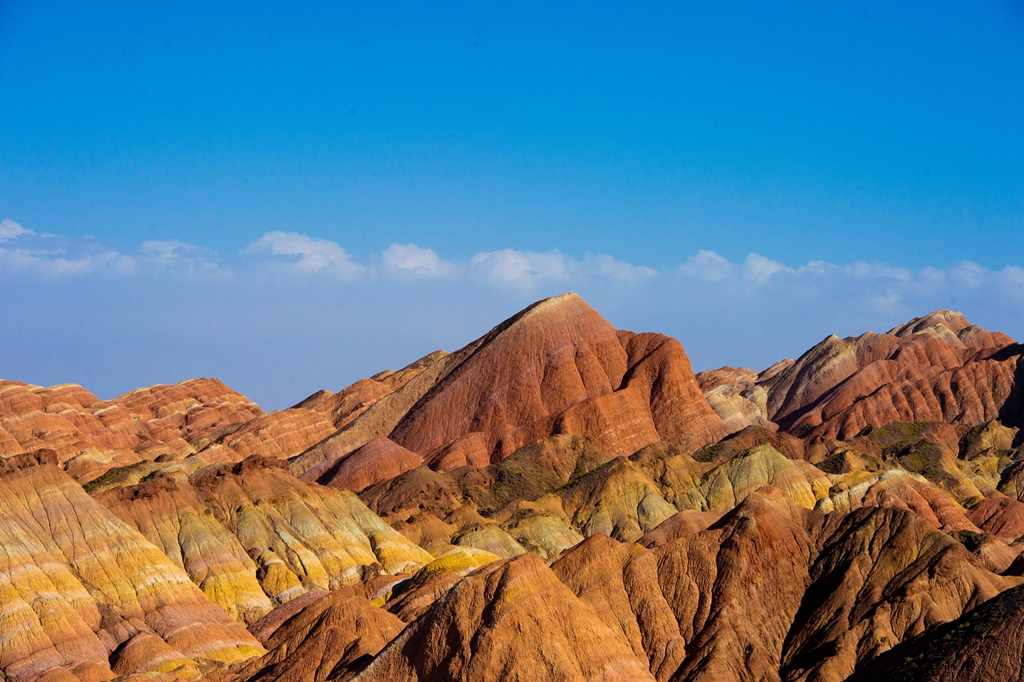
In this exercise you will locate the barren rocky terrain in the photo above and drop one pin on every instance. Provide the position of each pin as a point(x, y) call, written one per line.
point(557, 500)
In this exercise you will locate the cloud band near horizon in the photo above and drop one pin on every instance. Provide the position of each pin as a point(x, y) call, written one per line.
point(291, 313)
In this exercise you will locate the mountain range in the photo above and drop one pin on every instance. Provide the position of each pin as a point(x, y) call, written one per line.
point(557, 500)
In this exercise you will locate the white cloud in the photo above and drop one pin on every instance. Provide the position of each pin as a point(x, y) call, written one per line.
point(68, 257)
point(526, 268)
point(602, 265)
point(758, 268)
point(707, 265)
point(969, 273)
point(10, 229)
point(174, 253)
point(511, 266)
point(56, 263)
point(876, 270)
point(314, 254)
point(751, 312)
point(1014, 274)
point(415, 260)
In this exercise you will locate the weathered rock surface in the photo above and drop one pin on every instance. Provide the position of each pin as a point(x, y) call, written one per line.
point(1001, 516)
point(379, 460)
point(937, 368)
point(366, 410)
point(983, 645)
point(883, 575)
point(91, 436)
point(252, 536)
point(83, 592)
point(281, 435)
point(558, 367)
point(738, 395)
point(512, 620)
point(866, 495)
point(771, 585)
point(324, 640)
point(555, 368)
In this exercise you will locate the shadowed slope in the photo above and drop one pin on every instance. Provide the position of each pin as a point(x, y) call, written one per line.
point(511, 620)
point(983, 645)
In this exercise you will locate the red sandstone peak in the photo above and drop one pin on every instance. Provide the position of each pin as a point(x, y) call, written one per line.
point(675, 554)
point(937, 367)
point(509, 621)
point(558, 367)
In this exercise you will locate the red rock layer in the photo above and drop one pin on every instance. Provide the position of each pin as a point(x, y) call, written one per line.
point(770, 590)
point(1001, 516)
point(935, 368)
point(558, 367)
point(509, 621)
point(379, 460)
point(281, 435)
point(91, 436)
point(344, 406)
point(323, 639)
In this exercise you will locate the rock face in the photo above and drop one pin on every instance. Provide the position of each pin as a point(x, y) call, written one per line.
point(557, 500)
point(324, 639)
point(739, 395)
point(1001, 516)
point(83, 592)
point(557, 367)
point(771, 590)
point(91, 436)
point(281, 435)
point(379, 460)
point(883, 576)
point(983, 645)
point(252, 536)
point(511, 620)
point(936, 368)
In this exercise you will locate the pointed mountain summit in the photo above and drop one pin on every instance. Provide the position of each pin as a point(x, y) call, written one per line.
point(557, 367)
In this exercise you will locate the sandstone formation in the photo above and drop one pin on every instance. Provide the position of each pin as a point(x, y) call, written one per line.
point(573, 373)
point(739, 395)
point(557, 367)
point(884, 575)
point(511, 620)
point(1001, 516)
point(91, 436)
point(281, 435)
point(324, 640)
point(557, 500)
point(981, 646)
point(85, 593)
point(936, 368)
point(366, 410)
point(252, 536)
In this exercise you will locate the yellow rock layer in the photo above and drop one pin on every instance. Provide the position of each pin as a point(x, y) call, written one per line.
point(77, 584)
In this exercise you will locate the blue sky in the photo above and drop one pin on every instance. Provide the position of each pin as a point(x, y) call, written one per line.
point(292, 198)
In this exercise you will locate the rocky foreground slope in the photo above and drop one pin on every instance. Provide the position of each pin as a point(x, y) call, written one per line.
point(557, 500)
